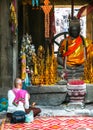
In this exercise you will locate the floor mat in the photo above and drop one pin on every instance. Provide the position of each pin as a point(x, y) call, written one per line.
point(54, 123)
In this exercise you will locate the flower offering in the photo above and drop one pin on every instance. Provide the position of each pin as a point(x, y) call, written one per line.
point(76, 90)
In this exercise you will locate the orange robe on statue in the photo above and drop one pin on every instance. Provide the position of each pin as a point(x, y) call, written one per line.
point(75, 50)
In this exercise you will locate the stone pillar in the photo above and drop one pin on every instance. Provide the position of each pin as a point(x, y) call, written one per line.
point(89, 24)
point(15, 53)
point(7, 49)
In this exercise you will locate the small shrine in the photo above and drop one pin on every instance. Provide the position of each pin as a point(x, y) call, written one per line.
point(42, 66)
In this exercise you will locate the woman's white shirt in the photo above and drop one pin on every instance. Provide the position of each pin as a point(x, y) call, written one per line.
point(12, 108)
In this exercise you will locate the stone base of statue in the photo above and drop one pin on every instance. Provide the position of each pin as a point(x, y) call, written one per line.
point(75, 72)
point(53, 95)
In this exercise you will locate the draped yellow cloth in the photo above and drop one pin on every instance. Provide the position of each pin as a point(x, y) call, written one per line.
point(75, 50)
point(23, 67)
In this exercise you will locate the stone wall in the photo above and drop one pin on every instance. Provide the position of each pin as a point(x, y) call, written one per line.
point(8, 51)
point(5, 46)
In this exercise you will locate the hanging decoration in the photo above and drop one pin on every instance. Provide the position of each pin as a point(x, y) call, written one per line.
point(47, 8)
point(35, 3)
point(13, 19)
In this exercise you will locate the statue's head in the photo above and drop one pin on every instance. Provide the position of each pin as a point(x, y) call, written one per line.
point(74, 28)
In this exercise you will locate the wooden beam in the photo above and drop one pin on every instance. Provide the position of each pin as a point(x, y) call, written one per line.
point(72, 9)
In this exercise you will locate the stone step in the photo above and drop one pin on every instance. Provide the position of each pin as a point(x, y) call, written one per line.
point(54, 95)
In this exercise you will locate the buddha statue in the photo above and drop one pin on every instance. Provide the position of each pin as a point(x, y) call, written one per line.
point(73, 51)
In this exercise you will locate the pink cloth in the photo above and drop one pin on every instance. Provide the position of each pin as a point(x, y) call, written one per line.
point(19, 96)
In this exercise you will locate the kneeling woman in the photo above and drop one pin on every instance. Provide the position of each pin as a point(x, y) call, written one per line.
point(18, 100)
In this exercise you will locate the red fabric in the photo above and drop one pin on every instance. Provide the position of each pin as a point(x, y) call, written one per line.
point(54, 123)
point(36, 110)
point(89, 10)
point(52, 24)
point(81, 11)
point(77, 42)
